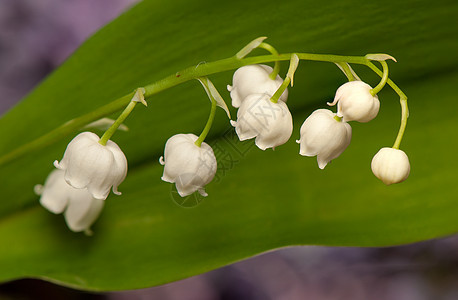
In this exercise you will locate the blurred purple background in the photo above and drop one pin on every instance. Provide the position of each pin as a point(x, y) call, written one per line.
point(36, 36)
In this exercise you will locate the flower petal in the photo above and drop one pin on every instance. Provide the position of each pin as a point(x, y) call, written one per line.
point(82, 211)
point(119, 168)
point(54, 194)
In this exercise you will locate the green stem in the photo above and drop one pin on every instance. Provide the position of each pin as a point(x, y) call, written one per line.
point(232, 63)
point(109, 133)
point(389, 81)
point(402, 128)
point(280, 90)
point(208, 126)
point(403, 101)
point(294, 61)
point(66, 129)
point(175, 79)
point(274, 51)
point(382, 82)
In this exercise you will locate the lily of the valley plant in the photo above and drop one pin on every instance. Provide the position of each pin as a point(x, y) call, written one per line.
point(91, 167)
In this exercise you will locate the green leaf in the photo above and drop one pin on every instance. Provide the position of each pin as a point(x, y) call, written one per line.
point(260, 200)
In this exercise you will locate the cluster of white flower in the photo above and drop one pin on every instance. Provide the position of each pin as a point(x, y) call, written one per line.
point(258, 117)
point(323, 134)
point(92, 166)
point(326, 134)
point(191, 167)
point(83, 180)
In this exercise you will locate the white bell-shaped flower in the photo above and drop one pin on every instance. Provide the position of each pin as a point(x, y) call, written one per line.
point(254, 79)
point(324, 136)
point(55, 192)
point(271, 123)
point(187, 165)
point(80, 209)
point(355, 102)
point(390, 165)
point(90, 165)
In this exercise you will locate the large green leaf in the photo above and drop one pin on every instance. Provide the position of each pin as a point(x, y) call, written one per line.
point(259, 200)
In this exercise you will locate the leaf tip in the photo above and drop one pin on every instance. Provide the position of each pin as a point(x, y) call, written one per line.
point(250, 47)
point(380, 57)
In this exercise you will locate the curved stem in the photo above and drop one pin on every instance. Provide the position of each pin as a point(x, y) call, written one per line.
point(280, 90)
point(177, 78)
point(138, 97)
point(232, 63)
point(274, 51)
point(389, 81)
point(382, 82)
point(109, 133)
point(402, 128)
point(66, 129)
point(403, 101)
point(294, 61)
point(208, 126)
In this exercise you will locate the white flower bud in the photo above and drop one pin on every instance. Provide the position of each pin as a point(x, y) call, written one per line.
point(324, 136)
point(254, 79)
point(80, 209)
point(271, 123)
point(187, 165)
point(355, 102)
point(390, 165)
point(90, 165)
